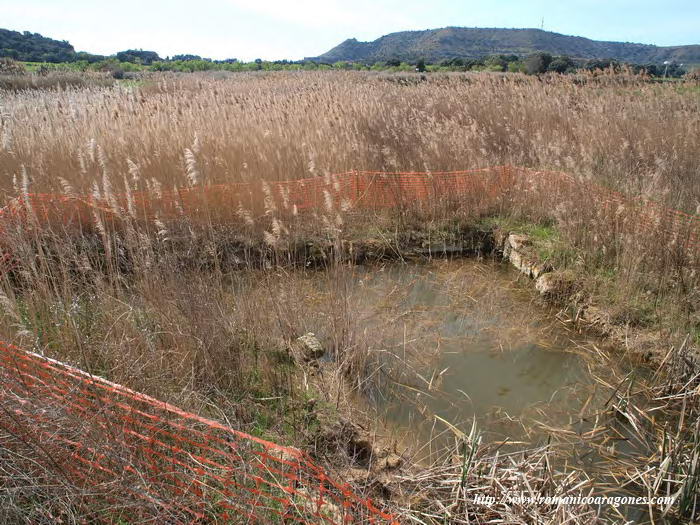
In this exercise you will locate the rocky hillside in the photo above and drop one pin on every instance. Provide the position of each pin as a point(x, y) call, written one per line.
point(452, 42)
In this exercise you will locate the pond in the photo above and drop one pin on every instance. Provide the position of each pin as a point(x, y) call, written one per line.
point(466, 340)
point(439, 347)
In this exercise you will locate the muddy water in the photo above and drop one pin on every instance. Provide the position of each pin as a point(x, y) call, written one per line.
point(464, 340)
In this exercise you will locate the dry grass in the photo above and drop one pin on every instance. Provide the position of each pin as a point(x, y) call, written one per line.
point(641, 138)
point(154, 304)
point(56, 80)
point(621, 132)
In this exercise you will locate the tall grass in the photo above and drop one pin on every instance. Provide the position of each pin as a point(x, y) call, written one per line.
point(641, 138)
point(153, 303)
point(624, 133)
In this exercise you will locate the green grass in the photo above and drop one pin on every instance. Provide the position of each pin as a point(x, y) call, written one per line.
point(33, 67)
point(131, 83)
point(695, 335)
point(547, 240)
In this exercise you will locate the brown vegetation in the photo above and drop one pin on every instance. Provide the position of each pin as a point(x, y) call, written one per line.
point(154, 303)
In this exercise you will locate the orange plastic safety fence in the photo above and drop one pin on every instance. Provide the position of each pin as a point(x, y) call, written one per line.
point(362, 189)
point(355, 189)
point(170, 464)
point(643, 216)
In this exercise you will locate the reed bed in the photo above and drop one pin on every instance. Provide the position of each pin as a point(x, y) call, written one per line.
point(619, 132)
point(155, 304)
point(641, 138)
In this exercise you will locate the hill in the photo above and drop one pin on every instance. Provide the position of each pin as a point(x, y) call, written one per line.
point(461, 42)
point(32, 47)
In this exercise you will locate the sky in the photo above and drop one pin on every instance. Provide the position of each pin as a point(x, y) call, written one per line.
point(293, 29)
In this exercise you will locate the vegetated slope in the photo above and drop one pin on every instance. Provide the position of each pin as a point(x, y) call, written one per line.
point(451, 42)
point(32, 47)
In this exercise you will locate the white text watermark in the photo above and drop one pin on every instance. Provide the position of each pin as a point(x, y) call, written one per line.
point(614, 501)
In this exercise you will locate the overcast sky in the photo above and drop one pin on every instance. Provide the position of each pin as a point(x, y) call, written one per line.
point(275, 29)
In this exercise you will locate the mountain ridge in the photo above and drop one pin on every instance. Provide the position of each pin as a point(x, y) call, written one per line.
point(434, 45)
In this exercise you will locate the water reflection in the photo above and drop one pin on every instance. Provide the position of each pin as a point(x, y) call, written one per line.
point(474, 346)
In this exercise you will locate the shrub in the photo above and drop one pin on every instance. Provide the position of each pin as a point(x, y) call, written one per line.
point(693, 76)
point(537, 63)
point(9, 66)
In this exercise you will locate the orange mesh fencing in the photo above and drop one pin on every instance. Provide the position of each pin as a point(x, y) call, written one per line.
point(644, 216)
point(167, 463)
point(361, 190)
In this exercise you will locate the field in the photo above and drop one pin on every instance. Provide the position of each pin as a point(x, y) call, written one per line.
point(199, 308)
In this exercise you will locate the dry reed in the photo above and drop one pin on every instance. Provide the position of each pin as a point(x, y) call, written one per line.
point(153, 304)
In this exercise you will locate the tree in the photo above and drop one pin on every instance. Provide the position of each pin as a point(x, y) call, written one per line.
point(420, 65)
point(651, 69)
point(674, 70)
point(185, 58)
point(32, 47)
point(393, 62)
point(602, 64)
point(496, 62)
point(89, 57)
point(347, 66)
point(516, 67)
point(138, 56)
point(474, 64)
point(561, 64)
point(537, 63)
